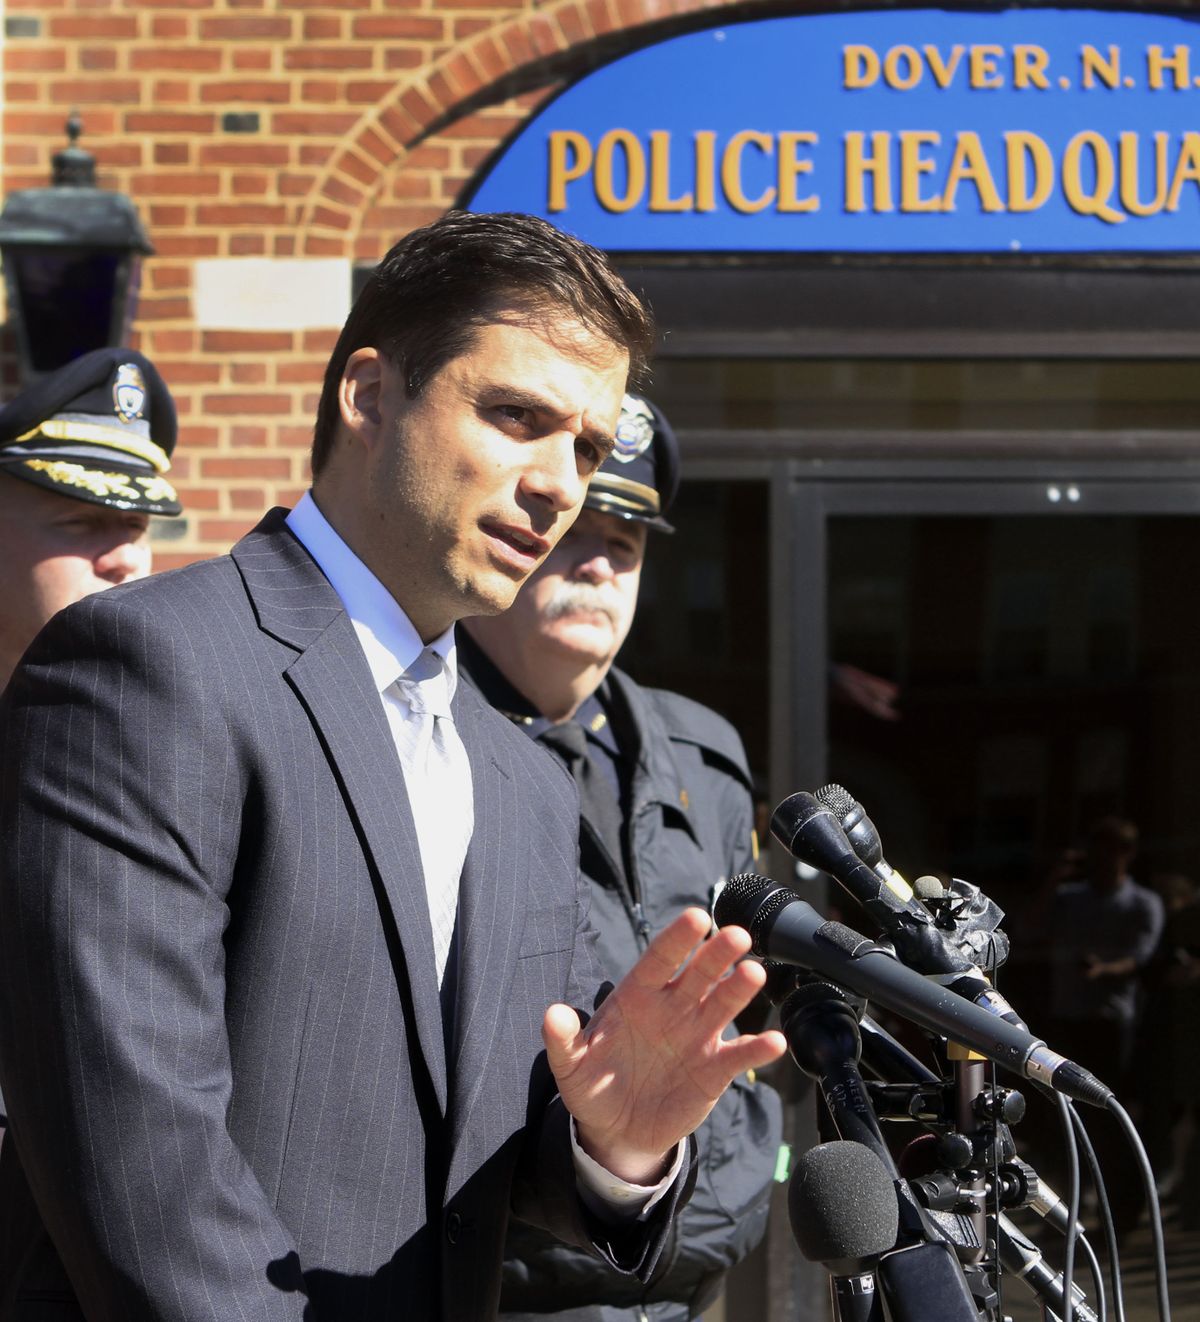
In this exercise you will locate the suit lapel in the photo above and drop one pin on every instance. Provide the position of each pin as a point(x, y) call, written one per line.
point(491, 911)
point(296, 604)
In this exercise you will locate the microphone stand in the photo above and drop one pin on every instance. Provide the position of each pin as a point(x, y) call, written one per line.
point(970, 1084)
point(920, 1279)
point(921, 1097)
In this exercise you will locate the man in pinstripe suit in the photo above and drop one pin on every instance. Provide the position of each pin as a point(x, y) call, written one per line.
point(242, 1081)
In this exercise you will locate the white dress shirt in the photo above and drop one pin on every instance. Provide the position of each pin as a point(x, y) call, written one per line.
point(391, 645)
point(443, 806)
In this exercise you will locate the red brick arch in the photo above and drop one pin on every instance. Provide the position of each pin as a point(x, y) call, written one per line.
point(466, 76)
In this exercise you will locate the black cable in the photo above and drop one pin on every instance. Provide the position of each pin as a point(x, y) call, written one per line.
point(992, 973)
point(1105, 1215)
point(997, 1271)
point(1064, 1112)
point(1156, 1228)
point(1097, 1277)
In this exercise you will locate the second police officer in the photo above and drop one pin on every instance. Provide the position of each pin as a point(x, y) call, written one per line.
point(666, 815)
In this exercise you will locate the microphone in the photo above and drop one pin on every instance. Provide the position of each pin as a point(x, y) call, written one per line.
point(821, 1027)
point(785, 928)
point(976, 918)
point(842, 1206)
point(809, 831)
point(862, 834)
point(844, 1214)
point(1020, 1256)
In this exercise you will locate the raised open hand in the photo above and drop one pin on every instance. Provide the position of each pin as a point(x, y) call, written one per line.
point(651, 1062)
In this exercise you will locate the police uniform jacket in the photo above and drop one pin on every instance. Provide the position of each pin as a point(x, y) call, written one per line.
point(688, 827)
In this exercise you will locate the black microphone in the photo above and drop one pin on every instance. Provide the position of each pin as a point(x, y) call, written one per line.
point(782, 927)
point(821, 1024)
point(844, 1214)
point(810, 832)
point(1022, 1257)
point(862, 834)
point(976, 918)
point(821, 1027)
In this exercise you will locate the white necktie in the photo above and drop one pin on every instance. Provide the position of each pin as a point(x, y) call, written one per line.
point(438, 776)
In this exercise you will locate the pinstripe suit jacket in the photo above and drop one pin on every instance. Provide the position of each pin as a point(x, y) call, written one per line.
point(230, 1087)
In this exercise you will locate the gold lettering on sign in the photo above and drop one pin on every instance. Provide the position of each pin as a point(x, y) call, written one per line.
point(984, 72)
point(860, 67)
point(970, 163)
point(1029, 67)
point(660, 176)
point(731, 171)
point(913, 166)
point(1179, 64)
point(1095, 202)
point(1022, 151)
point(1095, 66)
point(790, 167)
point(877, 163)
point(706, 170)
point(1130, 197)
point(635, 171)
point(570, 159)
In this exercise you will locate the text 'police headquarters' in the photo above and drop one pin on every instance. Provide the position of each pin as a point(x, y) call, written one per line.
point(1130, 174)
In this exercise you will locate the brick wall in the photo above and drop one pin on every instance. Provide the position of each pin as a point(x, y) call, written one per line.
point(280, 129)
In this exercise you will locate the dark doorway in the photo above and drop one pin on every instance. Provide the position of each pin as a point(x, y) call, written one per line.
point(1047, 672)
point(702, 622)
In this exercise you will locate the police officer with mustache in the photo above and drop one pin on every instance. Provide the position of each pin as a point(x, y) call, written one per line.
point(666, 816)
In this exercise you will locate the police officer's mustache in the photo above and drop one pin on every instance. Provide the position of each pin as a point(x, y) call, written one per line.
point(575, 598)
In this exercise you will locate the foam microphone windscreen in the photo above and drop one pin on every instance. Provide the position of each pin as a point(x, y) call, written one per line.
point(842, 1205)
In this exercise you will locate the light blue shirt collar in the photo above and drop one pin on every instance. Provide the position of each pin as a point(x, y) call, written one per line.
point(386, 634)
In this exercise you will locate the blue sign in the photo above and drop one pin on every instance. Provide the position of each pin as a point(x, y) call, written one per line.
point(1028, 130)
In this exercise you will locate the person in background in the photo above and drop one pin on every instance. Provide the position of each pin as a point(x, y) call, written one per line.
point(83, 453)
point(666, 818)
point(1165, 1064)
point(82, 457)
point(1104, 930)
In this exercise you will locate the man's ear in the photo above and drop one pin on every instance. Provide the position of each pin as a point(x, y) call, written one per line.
point(360, 395)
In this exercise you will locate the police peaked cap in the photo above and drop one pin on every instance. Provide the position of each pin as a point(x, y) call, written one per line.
point(639, 479)
point(100, 429)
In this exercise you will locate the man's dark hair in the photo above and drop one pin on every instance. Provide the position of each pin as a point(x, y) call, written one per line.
point(424, 303)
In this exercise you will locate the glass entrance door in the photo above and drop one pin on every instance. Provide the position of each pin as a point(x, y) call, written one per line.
point(998, 681)
point(1005, 662)
point(1011, 674)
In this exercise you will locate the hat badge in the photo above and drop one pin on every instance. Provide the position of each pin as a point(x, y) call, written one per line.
point(635, 430)
point(129, 392)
